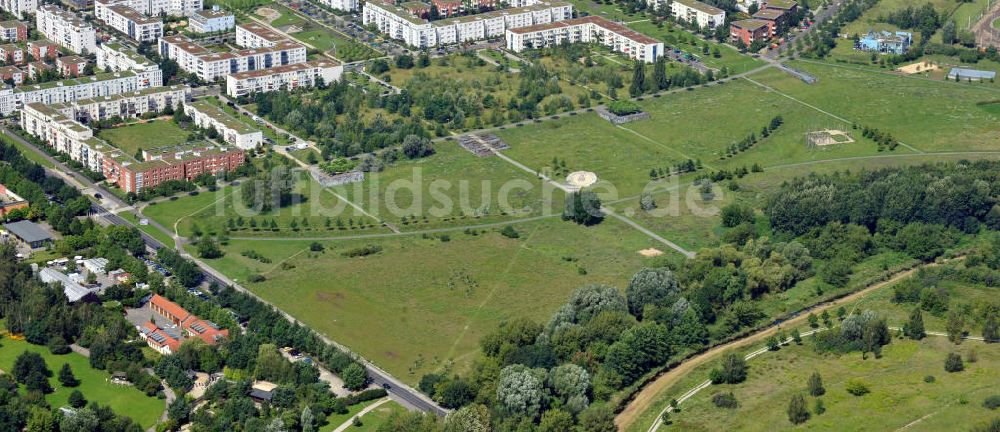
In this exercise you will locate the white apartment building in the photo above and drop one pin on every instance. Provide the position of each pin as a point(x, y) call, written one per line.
point(233, 131)
point(133, 24)
point(211, 21)
point(116, 57)
point(66, 29)
point(591, 29)
point(56, 92)
point(694, 11)
point(288, 77)
point(125, 105)
point(345, 5)
point(19, 7)
point(398, 23)
point(254, 35)
point(155, 8)
point(64, 134)
point(13, 31)
point(209, 65)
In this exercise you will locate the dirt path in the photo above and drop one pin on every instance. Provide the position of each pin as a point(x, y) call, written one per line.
point(648, 395)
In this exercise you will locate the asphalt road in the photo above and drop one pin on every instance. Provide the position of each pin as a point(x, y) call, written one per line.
point(396, 388)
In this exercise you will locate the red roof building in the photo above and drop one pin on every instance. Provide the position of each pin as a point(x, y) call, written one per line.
point(167, 339)
point(751, 30)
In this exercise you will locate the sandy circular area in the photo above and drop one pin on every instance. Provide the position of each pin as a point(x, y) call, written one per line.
point(581, 179)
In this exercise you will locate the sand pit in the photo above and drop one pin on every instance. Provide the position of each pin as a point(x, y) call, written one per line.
point(268, 14)
point(918, 67)
point(581, 179)
point(651, 252)
point(828, 137)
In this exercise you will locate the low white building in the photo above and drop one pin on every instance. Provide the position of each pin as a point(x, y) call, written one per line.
point(211, 65)
point(117, 57)
point(255, 35)
point(232, 131)
point(73, 290)
point(694, 11)
point(344, 5)
point(591, 29)
point(287, 77)
point(400, 24)
point(128, 21)
point(95, 265)
point(211, 21)
point(66, 29)
point(19, 7)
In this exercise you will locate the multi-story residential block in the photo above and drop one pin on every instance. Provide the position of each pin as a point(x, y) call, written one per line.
point(117, 57)
point(345, 5)
point(254, 35)
point(128, 21)
point(155, 8)
point(125, 105)
point(19, 7)
point(211, 21)
point(66, 29)
point(13, 31)
point(786, 6)
point(210, 65)
point(591, 29)
point(12, 75)
point(777, 17)
point(232, 131)
point(71, 66)
point(36, 68)
point(751, 30)
point(43, 49)
point(100, 85)
point(398, 23)
point(12, 54)
point(170, 163)
point(64, 134)
point(694, 11)
point(287, 77)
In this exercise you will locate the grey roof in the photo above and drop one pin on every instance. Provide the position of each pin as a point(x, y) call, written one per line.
point(27, 231)
point(972, 73)
point(74, 291)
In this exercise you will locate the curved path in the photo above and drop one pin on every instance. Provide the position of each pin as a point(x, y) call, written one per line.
point(644, 400)
point(343, 426)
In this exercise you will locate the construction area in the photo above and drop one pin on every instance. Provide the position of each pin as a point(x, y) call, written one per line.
point(482, 145)
point(827, 137)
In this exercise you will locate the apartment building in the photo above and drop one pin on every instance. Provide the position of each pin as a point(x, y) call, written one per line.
point(99, 85)
point(43, 49)
point(125, 105)
point(211, 65)
point(13, 31)
point(19, 7)
point(344, 5)
point(66, 29)
point(12, 74)
point(694, 11)
point(12, 54)
point(254, 35)
point(36, 68)
point(118, 57)
point(128, 21)
point(71, 66)
point(399, 23)
point(751, 30)
point(211, 21)
point(184, 162)
point(288, 77)
point(591, 29)
point(232, 131)
point(64, 134)
point(155, 8)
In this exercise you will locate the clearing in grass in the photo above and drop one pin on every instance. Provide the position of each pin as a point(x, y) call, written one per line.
point(143, 136)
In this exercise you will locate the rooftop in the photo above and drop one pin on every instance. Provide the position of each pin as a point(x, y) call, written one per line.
point(750, 24)
point(971, 73)
point(262, 31)
point(699, 6)
point(781, 4)
point(595, 20)
point(210, 14)
point(75, 81)
point(73, 290)
point(769, 14)
point(12, 24)
point(286, 68)
point(221, 116)
point(499, 13)
point(133, 15)
point(28, 231)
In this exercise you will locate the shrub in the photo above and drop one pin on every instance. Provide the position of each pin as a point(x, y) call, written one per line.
point(929, 379)
point(725, 400)
point(953, 363)
point(363, 251)
point(509, 232)
point(857, 388)
point(255, 278)
point(623, 107)
point(992, 402)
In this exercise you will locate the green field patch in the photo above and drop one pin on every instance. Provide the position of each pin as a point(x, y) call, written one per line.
point(143, 136)
point(94, 384)
point(423, 302)
point(675, 38)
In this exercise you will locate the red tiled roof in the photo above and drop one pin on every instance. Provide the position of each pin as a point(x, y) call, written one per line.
point(170, 307)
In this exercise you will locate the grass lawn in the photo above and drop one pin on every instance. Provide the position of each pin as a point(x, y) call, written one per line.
point(673, 37)
point(335, 420)
point(422, 303)
point(378, 416)
point(157, 133)
point(94, 384)
point(148, 229)
point(211, 211)
point(896, 381)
